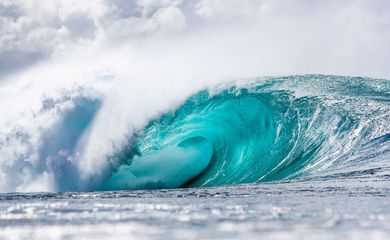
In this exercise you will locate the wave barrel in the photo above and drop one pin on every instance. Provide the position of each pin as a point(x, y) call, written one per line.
point(171, 167)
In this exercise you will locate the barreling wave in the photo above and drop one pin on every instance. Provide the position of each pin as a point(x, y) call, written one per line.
point(262, 130)
point(246, 132)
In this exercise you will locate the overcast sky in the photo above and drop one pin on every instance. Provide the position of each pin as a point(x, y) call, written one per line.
point(264, 37)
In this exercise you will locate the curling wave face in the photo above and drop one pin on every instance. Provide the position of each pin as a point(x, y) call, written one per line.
point(246, 132)
point(262, 130)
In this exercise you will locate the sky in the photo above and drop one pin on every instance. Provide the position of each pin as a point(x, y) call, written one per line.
point(252, 37)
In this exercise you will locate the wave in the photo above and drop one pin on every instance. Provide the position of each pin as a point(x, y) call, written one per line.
point(250, 131)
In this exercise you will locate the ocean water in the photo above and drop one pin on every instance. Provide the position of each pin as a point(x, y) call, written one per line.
point(296, 157)
point(347, 207)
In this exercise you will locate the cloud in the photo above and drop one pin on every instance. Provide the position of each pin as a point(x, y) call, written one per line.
point(227, 8)
point(169, 18)
point(34, 30)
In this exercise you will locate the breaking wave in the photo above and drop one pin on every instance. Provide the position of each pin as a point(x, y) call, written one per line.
point(250, 131)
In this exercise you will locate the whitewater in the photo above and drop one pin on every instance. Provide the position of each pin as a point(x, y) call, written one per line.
point(194, 119)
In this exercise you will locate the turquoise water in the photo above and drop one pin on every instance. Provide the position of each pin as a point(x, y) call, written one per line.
point(259, 131)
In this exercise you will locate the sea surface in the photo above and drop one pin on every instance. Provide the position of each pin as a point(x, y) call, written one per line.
point(347, 207)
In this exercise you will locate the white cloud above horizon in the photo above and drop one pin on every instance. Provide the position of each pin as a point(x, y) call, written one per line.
point(332, 37)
